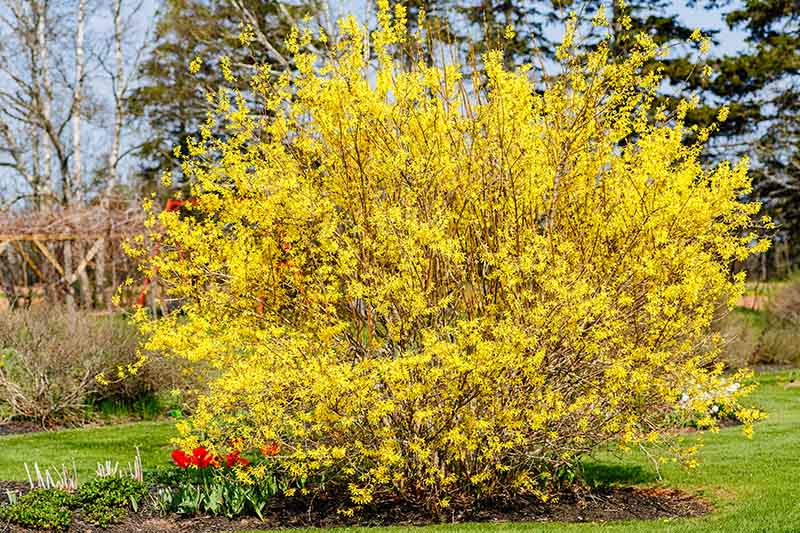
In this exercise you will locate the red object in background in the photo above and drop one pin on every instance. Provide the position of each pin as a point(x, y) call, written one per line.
point(173, 204)
point(142, 299)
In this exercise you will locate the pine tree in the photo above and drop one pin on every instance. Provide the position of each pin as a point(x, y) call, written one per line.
point(173, 100)
point(530, 31)
point(761, 84)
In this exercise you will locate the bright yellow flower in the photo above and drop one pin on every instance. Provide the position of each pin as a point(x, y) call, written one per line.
point(442, 289)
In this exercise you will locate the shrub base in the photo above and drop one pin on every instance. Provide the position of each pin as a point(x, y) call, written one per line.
point(627, 503)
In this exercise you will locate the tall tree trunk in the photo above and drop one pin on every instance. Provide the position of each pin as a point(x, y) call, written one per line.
point(77, 105)
point(75, 195)
point(45, 96)
point(118, 86)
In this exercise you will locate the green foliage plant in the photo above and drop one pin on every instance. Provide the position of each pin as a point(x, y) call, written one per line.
point(105, 500)
point(40, 509)
point(228, 492)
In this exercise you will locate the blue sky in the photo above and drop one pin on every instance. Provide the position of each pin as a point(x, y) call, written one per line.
point(729, 42)
point(100, 25)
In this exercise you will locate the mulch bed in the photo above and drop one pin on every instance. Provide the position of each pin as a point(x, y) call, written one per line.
point(723, 423)
point(602, 506)
point(14, 486)
point(15, 427)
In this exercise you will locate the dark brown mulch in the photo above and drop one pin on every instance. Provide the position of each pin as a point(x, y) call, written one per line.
point(13, 486)
point(14, 427)
point(612, 504)
point(722, 423)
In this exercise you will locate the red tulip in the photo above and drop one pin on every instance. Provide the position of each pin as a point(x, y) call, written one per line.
point(201, 458)
point(181, 458)
point(232, 459)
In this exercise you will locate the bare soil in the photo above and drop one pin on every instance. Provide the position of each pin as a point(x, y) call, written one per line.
point(756, 302)
point(15, 427)
point(603, 506)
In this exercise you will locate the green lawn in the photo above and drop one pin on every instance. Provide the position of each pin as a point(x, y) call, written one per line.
point(87, 447)
point(754, 484)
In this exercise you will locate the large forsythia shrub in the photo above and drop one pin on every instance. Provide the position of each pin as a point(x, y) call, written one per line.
point(447, 289)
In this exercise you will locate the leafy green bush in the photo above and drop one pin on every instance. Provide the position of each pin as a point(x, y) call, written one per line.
point(105, 500)
point(221, 497)
point(40, 509)
point(164, 476)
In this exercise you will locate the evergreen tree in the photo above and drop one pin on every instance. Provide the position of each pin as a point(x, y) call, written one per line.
point(761, 84)
point(173, 100)
point(530, 31)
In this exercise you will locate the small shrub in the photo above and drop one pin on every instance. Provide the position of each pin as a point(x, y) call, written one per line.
point(784, 304)
point(780, 344)
point(40, 509)
point(740, 338)
point(105, 500)
point(780, 341)
point(50, 359)
point(164, 476)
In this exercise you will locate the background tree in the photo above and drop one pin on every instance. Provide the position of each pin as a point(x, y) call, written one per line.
point(27, 92)
point(762, 82)
point(53, 66)
point(173, 102)
point(529, 31)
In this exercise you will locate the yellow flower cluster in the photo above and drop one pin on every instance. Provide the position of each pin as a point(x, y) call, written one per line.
point(443, 288)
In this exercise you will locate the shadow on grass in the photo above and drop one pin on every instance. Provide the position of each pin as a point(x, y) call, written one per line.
point(604, 475)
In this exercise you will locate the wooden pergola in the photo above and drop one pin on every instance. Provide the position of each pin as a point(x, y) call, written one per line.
point(68, 241)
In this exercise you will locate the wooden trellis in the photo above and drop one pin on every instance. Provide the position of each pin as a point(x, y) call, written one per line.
point(58, 246)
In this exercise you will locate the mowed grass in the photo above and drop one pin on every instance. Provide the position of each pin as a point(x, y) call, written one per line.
point(754, 485)
point(86, 447)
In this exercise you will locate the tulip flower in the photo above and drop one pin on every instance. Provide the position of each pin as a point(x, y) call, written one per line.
point(232, 459)
point(270, 449)
point(201, 458)
point(181, 458)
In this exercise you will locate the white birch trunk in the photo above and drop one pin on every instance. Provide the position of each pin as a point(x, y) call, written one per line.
point(118, 86)
point(76, 194)
point(45, 90)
